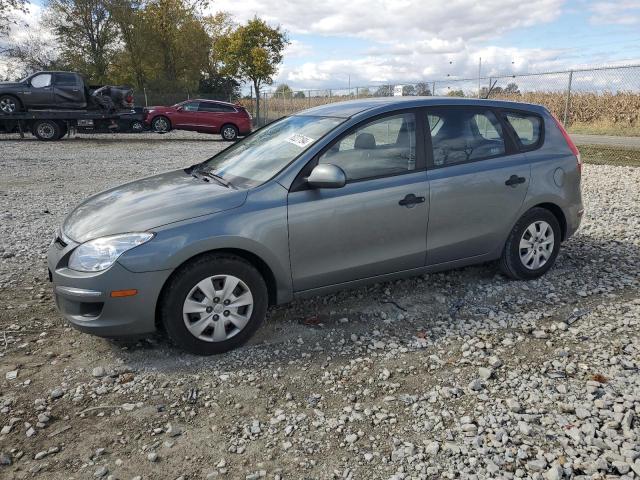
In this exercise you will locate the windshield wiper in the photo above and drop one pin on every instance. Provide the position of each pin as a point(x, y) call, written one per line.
point(222, 181)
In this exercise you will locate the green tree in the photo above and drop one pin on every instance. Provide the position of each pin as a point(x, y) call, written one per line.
point(455, 93)
point(86, 35)
point(254, 51)
point(299, 94)
point(283, 90)
point(128, 15)
point(178, 44)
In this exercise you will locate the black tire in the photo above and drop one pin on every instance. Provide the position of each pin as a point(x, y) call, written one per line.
point(187, 277)
point(229, 132)
point(47, 130)
point(512, 263)
point(9, 105)
point(161, 124)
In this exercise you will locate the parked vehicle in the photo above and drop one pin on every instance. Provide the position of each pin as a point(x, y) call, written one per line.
point(333, 197)
point(204, 116)
point(60, 90)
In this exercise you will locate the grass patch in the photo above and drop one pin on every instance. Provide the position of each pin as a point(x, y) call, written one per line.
point(604, 128)
point(610, 155)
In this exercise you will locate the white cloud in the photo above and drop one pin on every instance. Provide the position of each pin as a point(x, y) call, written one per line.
point(297, 49)
point(400, 66)
point(400, 20)
point(410, 39)
point(625, 12)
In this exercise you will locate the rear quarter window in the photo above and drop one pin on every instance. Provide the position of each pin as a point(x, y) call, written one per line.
point(526, 127)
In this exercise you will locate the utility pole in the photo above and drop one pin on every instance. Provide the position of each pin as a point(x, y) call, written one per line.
point(479, 74)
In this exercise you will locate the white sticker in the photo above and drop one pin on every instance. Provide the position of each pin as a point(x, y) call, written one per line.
point(299, 140)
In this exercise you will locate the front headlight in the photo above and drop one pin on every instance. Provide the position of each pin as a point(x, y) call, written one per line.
point(99, 254)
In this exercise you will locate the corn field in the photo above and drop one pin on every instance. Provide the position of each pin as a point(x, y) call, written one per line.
point(598, 101)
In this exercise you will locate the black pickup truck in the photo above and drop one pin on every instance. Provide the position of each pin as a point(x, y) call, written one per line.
point(51, 104)
point(61, 90)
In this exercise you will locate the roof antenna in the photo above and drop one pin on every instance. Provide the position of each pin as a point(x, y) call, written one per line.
point(491, 87)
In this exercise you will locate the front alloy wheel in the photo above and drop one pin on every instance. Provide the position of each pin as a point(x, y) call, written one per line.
point(8, 104)
point(218, 308)
point(213, 303)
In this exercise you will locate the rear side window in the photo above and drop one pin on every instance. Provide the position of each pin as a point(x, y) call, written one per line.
point(460, 135)
point(65, 79)
point(527, 127)
point(215, 107)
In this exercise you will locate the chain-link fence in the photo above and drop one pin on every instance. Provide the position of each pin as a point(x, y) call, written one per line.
point(592, 103)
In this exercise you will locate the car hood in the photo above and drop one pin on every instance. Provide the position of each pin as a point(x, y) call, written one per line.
point(148, 203)
point(10, 84)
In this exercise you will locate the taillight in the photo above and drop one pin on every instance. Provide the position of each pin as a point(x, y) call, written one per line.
point(129, 98)
point(570, 144)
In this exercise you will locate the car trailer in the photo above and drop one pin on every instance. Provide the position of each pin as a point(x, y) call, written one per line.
point(51, 125)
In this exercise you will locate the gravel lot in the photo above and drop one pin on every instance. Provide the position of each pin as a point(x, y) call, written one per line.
point(462, 374)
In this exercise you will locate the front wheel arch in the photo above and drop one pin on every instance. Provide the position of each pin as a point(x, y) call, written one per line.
point(166, 119)
point(252, 258)
point(19, 103)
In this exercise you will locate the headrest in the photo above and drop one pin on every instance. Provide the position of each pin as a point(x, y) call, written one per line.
point(365, 141)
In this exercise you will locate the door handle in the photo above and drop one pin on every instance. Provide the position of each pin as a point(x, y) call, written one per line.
point(514, 180)
point(410, 200)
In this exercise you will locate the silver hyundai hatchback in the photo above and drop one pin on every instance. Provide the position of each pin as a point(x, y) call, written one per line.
point(330, 198)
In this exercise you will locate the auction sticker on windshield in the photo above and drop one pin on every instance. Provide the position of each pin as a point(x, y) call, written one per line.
point(299, 140)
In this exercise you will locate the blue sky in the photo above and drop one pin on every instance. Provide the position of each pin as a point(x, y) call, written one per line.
point(377, 41)
point(368, 42)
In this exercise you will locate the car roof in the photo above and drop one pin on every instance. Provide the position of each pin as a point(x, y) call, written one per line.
point(211, 100)
point(350, 108)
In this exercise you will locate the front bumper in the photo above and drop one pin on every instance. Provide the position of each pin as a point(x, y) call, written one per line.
point(84, 299)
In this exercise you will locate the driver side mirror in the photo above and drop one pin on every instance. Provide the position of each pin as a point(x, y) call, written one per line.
point(326, 175)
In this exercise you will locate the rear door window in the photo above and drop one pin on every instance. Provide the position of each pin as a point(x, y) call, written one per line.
point(66, 79)
point(526, 127)
point(460, 135)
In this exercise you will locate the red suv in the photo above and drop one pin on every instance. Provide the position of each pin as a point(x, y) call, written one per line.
point(205, 116)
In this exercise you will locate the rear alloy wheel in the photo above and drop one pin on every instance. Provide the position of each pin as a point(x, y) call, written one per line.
point(532, 246)
point(9, 104)
point(47, 130)
point(214, 304)
point(161, 125)
point(229, 132)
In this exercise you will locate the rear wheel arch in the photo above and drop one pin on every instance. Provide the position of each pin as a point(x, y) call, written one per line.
point(250, 257)
point(558, 213)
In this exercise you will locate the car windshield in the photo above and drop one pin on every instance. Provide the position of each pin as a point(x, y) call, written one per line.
point(260, 156)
